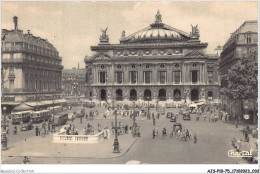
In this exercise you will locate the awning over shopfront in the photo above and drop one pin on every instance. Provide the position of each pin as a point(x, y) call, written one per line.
point(23, 107)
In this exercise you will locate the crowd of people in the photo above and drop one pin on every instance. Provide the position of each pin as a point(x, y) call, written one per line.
point(178, 133)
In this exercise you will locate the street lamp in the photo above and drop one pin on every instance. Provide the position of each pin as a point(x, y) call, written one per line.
point(116, 143)
point(157, 104)
point(134, 114)
point(148, 107)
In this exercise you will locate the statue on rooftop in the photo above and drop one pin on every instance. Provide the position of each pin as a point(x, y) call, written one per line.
point(158, 17)
point(195, 31)
point(104, 34)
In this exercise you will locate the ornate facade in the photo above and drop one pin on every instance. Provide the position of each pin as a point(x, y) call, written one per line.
point(31, 67)
point(157, 63)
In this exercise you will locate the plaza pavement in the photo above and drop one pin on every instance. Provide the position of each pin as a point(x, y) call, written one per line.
point(214, 142)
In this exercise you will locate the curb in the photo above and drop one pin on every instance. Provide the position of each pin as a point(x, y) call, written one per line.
point(10, 156)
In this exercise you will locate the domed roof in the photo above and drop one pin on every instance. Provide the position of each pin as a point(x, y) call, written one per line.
point(18, 36)
point(156, 32)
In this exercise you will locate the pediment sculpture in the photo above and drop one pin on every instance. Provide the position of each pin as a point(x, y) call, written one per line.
point(194, 54)
point(101, 57)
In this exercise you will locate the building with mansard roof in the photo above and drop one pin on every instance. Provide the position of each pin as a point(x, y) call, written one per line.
point(31, 67)
point(241, 43)
point(157, 63)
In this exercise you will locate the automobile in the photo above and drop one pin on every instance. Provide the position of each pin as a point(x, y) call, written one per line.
point(186, 116)
point(173, 118)
point(71, 116)
point(177, 126)
point(27, 127)
point(169, 114)
point(78, 115)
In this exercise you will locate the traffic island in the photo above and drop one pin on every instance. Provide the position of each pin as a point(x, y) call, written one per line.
point(43, 147)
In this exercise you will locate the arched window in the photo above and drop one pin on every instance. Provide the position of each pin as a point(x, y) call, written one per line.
point(103, 95)
point(119, 95)
point(147, 95)
point(177, 95)
point(133, 95)
point(162, 95)
point(194, 95)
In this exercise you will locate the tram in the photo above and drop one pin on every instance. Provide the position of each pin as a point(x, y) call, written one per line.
point(40, 116)
point(23, 116)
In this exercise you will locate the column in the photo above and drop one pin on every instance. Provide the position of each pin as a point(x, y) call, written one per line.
point(169, 75)
point(154, 74)
point(183, 73)
point(140, 74)
point(112, 73)
point(202, 71)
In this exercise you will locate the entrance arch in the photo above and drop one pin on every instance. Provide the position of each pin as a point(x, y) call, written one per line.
point(103, 95)
point(162, 95)
point(133, 95)
point(119, 95)
point(177, 95)
point(147, 95)
point(194, 95)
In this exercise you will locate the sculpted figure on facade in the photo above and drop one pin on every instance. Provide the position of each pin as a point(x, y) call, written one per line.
point(195, 31)
point(104, 35)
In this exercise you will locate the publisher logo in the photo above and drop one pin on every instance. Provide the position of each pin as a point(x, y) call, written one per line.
point(234, 154)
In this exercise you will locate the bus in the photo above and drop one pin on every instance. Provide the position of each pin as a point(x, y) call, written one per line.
point(40, 116)
point(60, 119)
point(22, 116)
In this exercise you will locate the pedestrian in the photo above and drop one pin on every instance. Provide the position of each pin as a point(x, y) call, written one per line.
point(195, 138)
point(191, 134)
point(164, 132)
point(204, 117)
point(36, 130)
point(15, 130)
point(171, 135)
point(157, 131)
point(153, 133)
point(153, 121)
point(126, 129)
point(187, 133)
point(49, 126)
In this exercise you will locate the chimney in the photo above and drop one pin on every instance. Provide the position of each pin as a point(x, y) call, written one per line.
point(28, 31)
point(78, 65)
point(15, 19)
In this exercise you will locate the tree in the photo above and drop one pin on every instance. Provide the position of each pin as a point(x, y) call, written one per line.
point(242, 80)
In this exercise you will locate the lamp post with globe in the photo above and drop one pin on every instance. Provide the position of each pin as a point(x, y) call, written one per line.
point(116, 142)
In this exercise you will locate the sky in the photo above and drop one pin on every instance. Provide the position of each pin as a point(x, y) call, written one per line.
point(72, 27)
